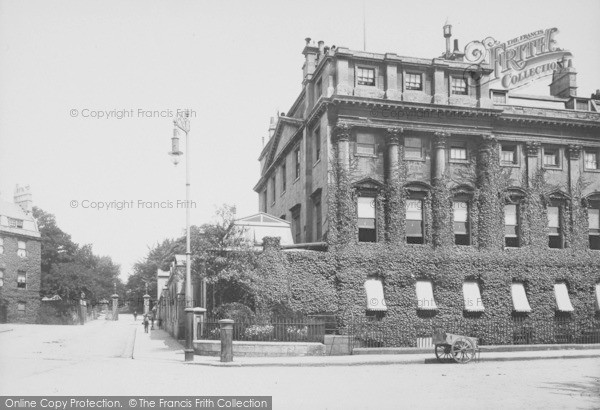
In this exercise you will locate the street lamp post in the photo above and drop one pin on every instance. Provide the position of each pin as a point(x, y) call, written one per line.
point(182, 123)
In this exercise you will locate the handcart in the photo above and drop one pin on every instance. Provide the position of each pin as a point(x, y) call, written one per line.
point(462, 349)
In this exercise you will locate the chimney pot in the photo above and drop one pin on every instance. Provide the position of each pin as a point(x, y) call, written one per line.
point(22, 197)
point(456, 49)
point(307, 39)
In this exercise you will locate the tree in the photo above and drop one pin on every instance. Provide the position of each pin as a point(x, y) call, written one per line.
point(220, 254)
point(144, 271)
point(69, 269)
point(57, 246)
point(225, 258)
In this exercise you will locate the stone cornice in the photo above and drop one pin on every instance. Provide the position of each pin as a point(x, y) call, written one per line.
point(380, 104)
point(408, 126)
point(549, 116)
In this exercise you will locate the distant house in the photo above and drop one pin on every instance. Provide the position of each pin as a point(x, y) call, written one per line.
point(20, 260)
point(256, 227)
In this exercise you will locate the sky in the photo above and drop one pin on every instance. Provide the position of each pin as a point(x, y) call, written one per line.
point(89, 89)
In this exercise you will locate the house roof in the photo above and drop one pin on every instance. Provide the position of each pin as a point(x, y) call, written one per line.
point(14, 211)
point(256, 227)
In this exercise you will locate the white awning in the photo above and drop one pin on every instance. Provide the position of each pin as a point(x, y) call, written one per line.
point(375, 299)
point(473, 302)
point(425, 299)
point(563, 303)
point(597, 296)
point(519, 297)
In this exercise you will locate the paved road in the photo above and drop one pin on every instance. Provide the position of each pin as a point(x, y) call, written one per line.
point(96, 359)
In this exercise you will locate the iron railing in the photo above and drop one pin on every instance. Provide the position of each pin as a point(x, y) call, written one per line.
point(276, 329)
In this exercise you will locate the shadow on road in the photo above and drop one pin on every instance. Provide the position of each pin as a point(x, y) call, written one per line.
point(590, 388)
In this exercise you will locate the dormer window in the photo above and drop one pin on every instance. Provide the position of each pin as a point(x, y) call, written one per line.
point(581, 105)
point(15, 223)
point(413, 81)
point(499, 97)
point(365, 76)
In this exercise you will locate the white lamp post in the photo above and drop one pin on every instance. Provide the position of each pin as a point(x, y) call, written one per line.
point(182, 123)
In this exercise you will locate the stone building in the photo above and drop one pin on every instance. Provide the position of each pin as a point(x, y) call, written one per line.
point(437, 186)
point(435, 125)
point(20, 260)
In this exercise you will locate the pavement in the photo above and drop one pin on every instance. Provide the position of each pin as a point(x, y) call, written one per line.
point(158, 345)
point(117, 358)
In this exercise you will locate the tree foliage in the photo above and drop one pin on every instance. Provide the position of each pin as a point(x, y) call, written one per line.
point(68, 268)
point(220, 253)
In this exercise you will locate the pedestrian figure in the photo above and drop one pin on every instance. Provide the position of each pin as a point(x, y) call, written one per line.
point(152, 319)
point(134, 315)
point(146, 322)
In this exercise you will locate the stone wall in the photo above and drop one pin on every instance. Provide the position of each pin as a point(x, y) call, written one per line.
point(10, 294)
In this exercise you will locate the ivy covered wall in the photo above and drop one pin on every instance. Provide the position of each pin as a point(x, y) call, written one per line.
point(333, 282)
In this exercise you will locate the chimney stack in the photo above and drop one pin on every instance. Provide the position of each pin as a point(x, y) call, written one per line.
point(447, 35)
point(22, 197)
point(272, 126)
point(311, 53)
point(564, 80)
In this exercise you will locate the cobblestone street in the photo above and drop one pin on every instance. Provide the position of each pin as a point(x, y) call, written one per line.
point(95, 359)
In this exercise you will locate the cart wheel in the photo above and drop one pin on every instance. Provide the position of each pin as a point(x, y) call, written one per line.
point(463, 350)
point(442, 352)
